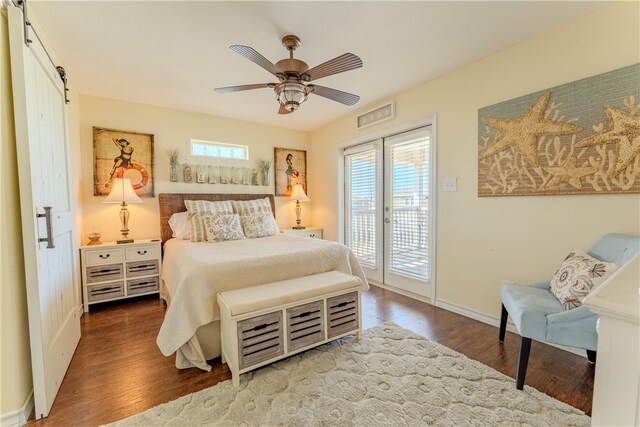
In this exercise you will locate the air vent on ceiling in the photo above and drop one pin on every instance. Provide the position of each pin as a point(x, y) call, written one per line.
point(375, 116)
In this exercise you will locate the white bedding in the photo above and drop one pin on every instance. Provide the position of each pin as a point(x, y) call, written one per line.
point(194, 272)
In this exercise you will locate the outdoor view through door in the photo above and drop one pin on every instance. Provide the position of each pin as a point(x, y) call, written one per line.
point(387, 209)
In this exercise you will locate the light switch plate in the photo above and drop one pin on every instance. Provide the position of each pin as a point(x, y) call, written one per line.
point(449, 184)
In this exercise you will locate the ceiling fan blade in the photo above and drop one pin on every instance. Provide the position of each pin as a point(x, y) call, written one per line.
point(342, 63)
point(283, 110)
point(241, 87)
point(336, 95)
point(252, 55)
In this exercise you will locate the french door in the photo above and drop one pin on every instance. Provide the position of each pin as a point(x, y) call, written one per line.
point(388, 219)
point(47, 213)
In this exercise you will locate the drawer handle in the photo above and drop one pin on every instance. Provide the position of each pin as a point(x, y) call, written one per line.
point(305, 314)
point(342, 304)
point(104, 256)
point(257, 328)
point(142, 252)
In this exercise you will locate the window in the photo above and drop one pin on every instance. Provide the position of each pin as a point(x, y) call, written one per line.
point(219, 150)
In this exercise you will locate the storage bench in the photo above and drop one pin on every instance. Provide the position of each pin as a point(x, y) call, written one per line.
point(265, 323)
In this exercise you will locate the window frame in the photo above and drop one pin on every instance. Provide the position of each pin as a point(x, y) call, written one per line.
point(219, 145)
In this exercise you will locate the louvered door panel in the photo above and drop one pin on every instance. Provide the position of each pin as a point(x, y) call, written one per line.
point(305, 324)
point(342, 312)
point(260, 338)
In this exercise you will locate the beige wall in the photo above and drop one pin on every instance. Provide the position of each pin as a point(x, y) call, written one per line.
point(483, 240)
point(175, 129)
point(15, 357)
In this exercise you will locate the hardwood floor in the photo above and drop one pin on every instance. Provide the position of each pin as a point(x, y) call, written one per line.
point(118, 370)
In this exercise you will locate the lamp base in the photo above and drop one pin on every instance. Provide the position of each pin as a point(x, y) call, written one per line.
point(124, 241)
point(298, 227)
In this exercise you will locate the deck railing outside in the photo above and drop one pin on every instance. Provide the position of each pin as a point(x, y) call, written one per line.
point(409, 253)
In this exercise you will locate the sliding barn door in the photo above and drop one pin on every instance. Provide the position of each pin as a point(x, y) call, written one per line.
point(47, 217)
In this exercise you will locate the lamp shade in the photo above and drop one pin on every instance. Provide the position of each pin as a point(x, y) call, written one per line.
point(298, 194)
point(122, 191)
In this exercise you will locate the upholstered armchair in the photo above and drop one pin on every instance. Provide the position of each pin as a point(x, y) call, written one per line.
point(537, 314)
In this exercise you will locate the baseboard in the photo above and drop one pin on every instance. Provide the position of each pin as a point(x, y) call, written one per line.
point(496, 322)
point(401, 292)
point(20, 416)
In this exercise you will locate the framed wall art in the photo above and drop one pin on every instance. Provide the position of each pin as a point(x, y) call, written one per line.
point(290, 169)
point(578, 138)
point(122, 154)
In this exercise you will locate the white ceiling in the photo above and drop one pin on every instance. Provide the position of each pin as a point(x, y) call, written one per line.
point(173, 54)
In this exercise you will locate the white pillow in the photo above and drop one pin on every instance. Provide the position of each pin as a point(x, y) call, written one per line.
point(258, 225)
point(254, 207)
point(195, 207)
point(179, 223)
point(579, 274)
point(222, 227)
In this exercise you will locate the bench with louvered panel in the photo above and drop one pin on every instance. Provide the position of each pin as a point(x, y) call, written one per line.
point(265, 323)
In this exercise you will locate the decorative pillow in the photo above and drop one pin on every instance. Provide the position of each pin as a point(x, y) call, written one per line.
point(578, 275)
point(222, 227)
point(179, 223)
point(245, 207)
point(258, 225)
point(196, 207)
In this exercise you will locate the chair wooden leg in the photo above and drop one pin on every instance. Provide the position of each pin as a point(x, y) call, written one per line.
point(503, 323)
point(591, 355)
point(523, 360)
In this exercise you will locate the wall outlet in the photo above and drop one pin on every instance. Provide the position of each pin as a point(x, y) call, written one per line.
point(450, 184)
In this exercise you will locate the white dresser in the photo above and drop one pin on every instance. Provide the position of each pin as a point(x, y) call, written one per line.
point(313, 232)
point(111, 271)
point(616, 392)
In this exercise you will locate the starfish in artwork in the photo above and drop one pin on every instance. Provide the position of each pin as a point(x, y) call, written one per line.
point(568, 172)
point(623, 130)
point(522, 133)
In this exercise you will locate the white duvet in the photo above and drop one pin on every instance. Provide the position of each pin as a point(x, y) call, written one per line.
point(195, 272)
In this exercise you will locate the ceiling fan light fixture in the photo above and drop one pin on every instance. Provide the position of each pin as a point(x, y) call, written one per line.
point(291, 94)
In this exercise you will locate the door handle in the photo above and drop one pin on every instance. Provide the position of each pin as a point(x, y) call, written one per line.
point(47, 217)
point(387, 220)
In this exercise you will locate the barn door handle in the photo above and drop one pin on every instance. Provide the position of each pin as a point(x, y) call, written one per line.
point(47, 217)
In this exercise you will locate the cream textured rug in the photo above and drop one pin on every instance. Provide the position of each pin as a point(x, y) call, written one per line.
point(390, 377)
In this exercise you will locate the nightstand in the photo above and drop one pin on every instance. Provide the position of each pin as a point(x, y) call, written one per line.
point(111, 271)
point(314, 232)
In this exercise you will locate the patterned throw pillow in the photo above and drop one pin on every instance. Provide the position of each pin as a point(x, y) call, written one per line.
point(222, 227)
point(197, 207)
point(578, 275)
point(258, 225)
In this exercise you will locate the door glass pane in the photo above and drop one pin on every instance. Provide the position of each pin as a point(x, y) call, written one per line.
point(360, 206)
point(407, 252)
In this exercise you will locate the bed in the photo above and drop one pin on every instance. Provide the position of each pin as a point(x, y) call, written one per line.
point(193, 272)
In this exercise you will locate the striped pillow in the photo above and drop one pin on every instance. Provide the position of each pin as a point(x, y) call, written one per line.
point(257, 206)
point(197, 207)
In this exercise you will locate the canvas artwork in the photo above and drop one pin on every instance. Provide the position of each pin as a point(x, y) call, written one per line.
point(290, 169)
point(578, 138)
point(122, 154)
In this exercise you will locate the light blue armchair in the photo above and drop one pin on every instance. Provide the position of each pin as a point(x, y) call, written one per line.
point(537, 313)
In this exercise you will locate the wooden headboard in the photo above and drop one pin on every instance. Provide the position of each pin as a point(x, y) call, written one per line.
point(171, 203)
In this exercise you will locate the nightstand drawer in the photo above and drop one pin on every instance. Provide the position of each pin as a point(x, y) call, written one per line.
point(141, 252)
point(105, 291)
point(313, 232)
point(104, 256)
point(142, 286)
point(104, 273)
point(142, 268)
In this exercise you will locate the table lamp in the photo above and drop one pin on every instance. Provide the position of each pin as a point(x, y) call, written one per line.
point(122, 192)
point(298, 195)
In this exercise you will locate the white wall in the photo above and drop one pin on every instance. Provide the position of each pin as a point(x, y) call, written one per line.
point(175, 129)
point(483, 240)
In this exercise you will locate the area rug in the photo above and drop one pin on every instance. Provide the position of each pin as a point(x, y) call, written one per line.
point(389, 377)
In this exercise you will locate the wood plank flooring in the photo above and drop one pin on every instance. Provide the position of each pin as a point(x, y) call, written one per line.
point(118, 370)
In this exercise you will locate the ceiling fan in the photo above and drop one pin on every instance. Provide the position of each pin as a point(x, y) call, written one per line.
point(294, 76)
